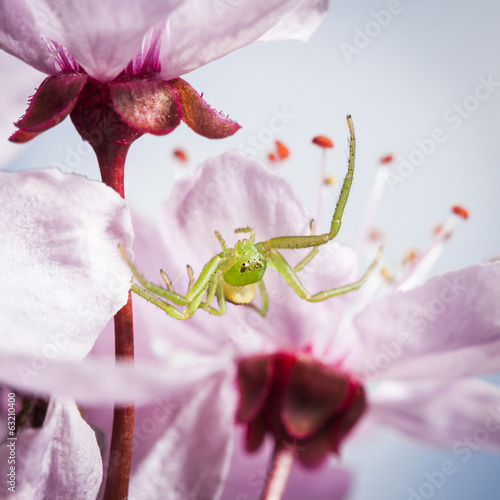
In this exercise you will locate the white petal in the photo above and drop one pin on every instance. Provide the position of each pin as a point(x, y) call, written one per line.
point(463, 414)
point(62, 275)
point(199, 32)
point(59, 460)
point(191, 457)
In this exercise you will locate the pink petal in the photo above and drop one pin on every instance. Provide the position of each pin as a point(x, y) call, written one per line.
point(15, 92)
point(97, 381)
point(159, 341)
point(59, 460)
point(449, 327)
point(20, 36)
point(147, 105)
point(328, 481)
point(62, 275)
point(53, 102)
point(190, 459)
point(199, 32)
point(248, 471)
point(199, 116)
point(464, 415)
point(300, 23)
point(105, 43)
point(230, 191)
point(236, 190)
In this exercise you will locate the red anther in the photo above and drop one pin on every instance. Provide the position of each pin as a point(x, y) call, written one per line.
point(322, 141)
point(181, 155)
point(375, 235)
point(460, 211)
point(386, 159)
point(282, 150)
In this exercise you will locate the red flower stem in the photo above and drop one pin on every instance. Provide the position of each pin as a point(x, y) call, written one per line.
point(111, 157)
point(281, 467)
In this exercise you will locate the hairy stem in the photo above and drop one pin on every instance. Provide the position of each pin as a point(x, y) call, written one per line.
point(281, 466)
point(111, 157)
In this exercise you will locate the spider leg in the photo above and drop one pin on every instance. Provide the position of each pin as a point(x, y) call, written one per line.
point(157, 294)
point(166, 293)
point(279, 263)
point(215, 288)
point(246, 230)
point(310, 256)
point(190, 274)
point(157, 301)
point(262, 310)
point(222, 242)
point(166, 280)
point(317, 240)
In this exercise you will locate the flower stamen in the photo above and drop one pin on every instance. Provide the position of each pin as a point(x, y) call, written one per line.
point(373, 203)
point(419, 269)
point(324, 143)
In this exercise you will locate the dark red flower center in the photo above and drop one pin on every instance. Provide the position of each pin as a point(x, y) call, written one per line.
point(120, 111)
point(299, 401)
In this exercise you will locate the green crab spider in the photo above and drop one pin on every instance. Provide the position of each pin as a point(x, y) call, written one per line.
point(232, 275)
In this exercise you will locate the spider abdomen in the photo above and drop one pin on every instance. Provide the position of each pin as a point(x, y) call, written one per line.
point(239, 294)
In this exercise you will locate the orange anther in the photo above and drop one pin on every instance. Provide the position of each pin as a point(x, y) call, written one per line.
point(271, 157)
point(322, 142)
point(387, 274)
point(460, 211)
point(329, 180)
point(410, 256)
point(282, 150)
point(181, 155)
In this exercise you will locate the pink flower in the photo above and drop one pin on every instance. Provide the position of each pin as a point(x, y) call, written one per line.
point(62, 280)
point(186, 372)
point(425, 389)
point(128, 58)
point(59, 459)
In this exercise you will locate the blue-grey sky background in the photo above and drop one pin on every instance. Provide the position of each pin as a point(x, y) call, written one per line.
point(404, 80)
